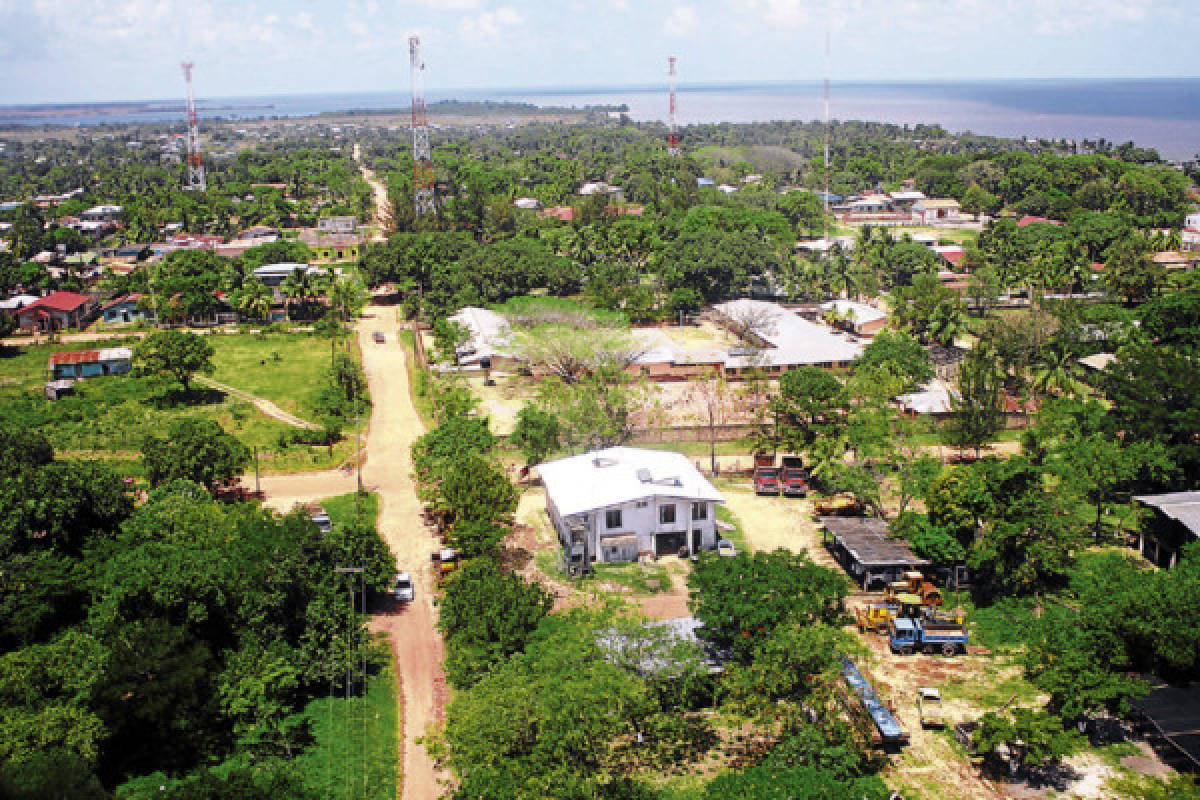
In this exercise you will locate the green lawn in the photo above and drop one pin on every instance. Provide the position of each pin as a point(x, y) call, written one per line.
point(341, 508)
point(286, 368)
point(736, 536)
point(108, 417)
point(355, 751)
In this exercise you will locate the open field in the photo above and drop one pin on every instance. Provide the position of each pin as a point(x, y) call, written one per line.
point(286, 368)
point(110, 416)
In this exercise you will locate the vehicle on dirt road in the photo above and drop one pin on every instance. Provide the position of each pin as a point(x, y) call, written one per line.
point(793, 477)
point(929, 706)
point(379, 337)
point(842, 504)
point(907, 636)
point(766, 476)
point(726, 548)
point(402, 587)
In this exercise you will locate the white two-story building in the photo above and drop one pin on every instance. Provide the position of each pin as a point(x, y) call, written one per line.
point(621, 503)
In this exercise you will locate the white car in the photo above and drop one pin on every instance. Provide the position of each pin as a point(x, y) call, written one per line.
point(402, 587)
point(726, 548)
point(322, 521)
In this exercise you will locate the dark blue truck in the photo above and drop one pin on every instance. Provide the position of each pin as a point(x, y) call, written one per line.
point(907, 636)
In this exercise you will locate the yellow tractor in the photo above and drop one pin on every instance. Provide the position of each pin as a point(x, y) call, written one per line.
point(875, 617)
point(914, 585)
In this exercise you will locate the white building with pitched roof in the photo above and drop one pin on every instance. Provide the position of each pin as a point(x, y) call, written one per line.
point(623, 502)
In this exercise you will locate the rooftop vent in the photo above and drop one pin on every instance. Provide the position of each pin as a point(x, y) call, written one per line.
point(672, 481)
point(600, 462)
point(644, 476)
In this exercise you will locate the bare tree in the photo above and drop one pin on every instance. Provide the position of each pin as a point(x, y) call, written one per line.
point(718, 404)
point(751, 322)
point(572, 352)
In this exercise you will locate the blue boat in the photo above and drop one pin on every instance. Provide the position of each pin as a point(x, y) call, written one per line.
point(888, 727)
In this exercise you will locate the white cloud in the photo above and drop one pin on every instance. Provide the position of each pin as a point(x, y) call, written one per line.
point(489, 25)
point(682, 21)
point(780, 13)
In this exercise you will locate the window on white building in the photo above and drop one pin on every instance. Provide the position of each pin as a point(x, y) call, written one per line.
point(666, 515)
point(612, 519)
point(699, 510)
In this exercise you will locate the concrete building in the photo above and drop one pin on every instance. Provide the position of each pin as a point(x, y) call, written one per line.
point(331, 246)
point(935, 210)
point(55, 312)
point(124, 309)
point(859, 318)
point(337, 224)
point(622, 503)
point(105, 213)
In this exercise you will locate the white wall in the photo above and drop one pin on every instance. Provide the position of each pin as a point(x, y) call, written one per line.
point(642, 519)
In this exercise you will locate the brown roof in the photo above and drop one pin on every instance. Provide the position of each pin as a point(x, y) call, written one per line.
point(75, 357)
point(59, 301)
point(116, 301)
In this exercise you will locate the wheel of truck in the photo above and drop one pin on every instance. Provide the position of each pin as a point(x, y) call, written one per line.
point(949, 649)
point(906, 651)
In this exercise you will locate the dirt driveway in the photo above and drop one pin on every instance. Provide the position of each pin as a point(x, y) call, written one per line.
point(771, 523)
point(415, 641)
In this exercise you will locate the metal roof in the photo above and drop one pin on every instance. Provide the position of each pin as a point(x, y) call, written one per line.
point(1183, 507)
point(866, 540)
point(605, 478)
point(793, 341)
point(91, 356)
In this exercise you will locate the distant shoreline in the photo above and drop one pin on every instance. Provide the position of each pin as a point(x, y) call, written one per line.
point(1162, 113)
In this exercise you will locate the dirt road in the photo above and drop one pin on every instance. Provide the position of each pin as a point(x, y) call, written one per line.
point(261, 403)
point(383, 206)
point(770, 523)
point(282, 492)
point(414, 639)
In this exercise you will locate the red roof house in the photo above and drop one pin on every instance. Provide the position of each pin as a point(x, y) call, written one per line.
point(55, 312)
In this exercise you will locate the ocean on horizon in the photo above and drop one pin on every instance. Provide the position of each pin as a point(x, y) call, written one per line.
point(1163, 113)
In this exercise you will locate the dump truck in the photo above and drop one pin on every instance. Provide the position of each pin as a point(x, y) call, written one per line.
point(843, 504)
point(929, 707)
point(794, 477)
point(914, 583)
point(907, 636)
point(766, 476)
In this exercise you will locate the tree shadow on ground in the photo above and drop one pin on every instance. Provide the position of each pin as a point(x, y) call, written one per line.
point(182, 398)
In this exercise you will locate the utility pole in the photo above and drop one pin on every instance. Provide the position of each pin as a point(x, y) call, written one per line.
point(673, 147)
point(349, 661)
point(195, 162)
point(423, 200)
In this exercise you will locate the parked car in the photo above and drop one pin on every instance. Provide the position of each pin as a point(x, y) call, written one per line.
point(378, 337)
point(322, 521)
point(726, 548)
point(402, 587)
point(929, 706)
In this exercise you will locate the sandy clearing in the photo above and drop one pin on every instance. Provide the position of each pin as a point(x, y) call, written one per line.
point(771, 523)
point(282, 492)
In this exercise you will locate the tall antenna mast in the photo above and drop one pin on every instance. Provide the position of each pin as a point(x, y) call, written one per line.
point(195, 173)
point(673, 147)
point(423, 202)
point(825, 197)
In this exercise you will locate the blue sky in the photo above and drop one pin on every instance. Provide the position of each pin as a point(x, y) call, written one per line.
point(95, 50)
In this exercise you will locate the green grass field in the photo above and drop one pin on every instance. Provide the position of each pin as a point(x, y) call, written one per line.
point(286, 368)
point(109, 417)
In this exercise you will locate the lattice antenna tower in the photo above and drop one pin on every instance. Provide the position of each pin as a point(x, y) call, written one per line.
point(825, 197)
point(423, 202)
point(673, 147)
point(195, 162)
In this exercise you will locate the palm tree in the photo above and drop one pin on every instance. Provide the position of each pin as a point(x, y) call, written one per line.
point(293, 288)
point(255, 300)
point(1058, 373)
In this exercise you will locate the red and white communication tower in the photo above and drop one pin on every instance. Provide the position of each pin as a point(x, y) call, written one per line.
point(423, 202)
point(195, 162)
point(673, 147)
